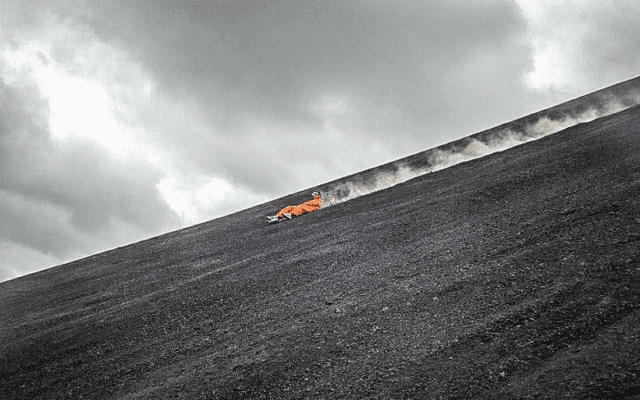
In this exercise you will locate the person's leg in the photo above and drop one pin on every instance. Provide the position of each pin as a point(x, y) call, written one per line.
point(285, 210)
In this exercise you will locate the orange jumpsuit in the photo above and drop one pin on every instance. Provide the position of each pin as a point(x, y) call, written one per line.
point(306, 207)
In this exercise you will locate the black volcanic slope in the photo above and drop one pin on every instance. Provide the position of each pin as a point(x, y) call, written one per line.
point(516, 275)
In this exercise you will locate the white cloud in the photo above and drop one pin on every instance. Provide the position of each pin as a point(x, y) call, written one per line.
point(330, 104)
point(554, 38)
point(193, 199)
point(581, 45)
point(90, 87)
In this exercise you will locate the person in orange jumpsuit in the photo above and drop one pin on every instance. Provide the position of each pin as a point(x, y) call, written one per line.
point(294, 211)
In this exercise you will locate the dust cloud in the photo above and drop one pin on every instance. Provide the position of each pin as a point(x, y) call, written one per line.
point(492, 141)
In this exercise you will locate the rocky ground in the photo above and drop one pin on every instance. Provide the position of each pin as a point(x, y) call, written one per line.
point(512, 276)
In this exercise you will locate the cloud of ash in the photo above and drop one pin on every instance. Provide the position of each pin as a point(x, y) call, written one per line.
point(492, 141)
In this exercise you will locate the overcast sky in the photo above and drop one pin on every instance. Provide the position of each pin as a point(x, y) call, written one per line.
point(122, 120)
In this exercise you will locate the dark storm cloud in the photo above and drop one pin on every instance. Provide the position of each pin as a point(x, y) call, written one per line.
point(412, 55)
point(410, 67)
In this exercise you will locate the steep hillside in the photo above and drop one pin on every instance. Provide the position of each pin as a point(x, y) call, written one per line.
point(516, 275)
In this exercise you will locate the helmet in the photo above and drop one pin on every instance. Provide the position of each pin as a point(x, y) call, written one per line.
point(316, 194)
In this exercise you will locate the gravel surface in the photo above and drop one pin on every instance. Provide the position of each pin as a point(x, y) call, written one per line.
point(512, 276)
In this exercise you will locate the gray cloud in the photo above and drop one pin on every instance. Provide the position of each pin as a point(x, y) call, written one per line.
point(407, 69)
point(63, 200)
point(612, 43)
